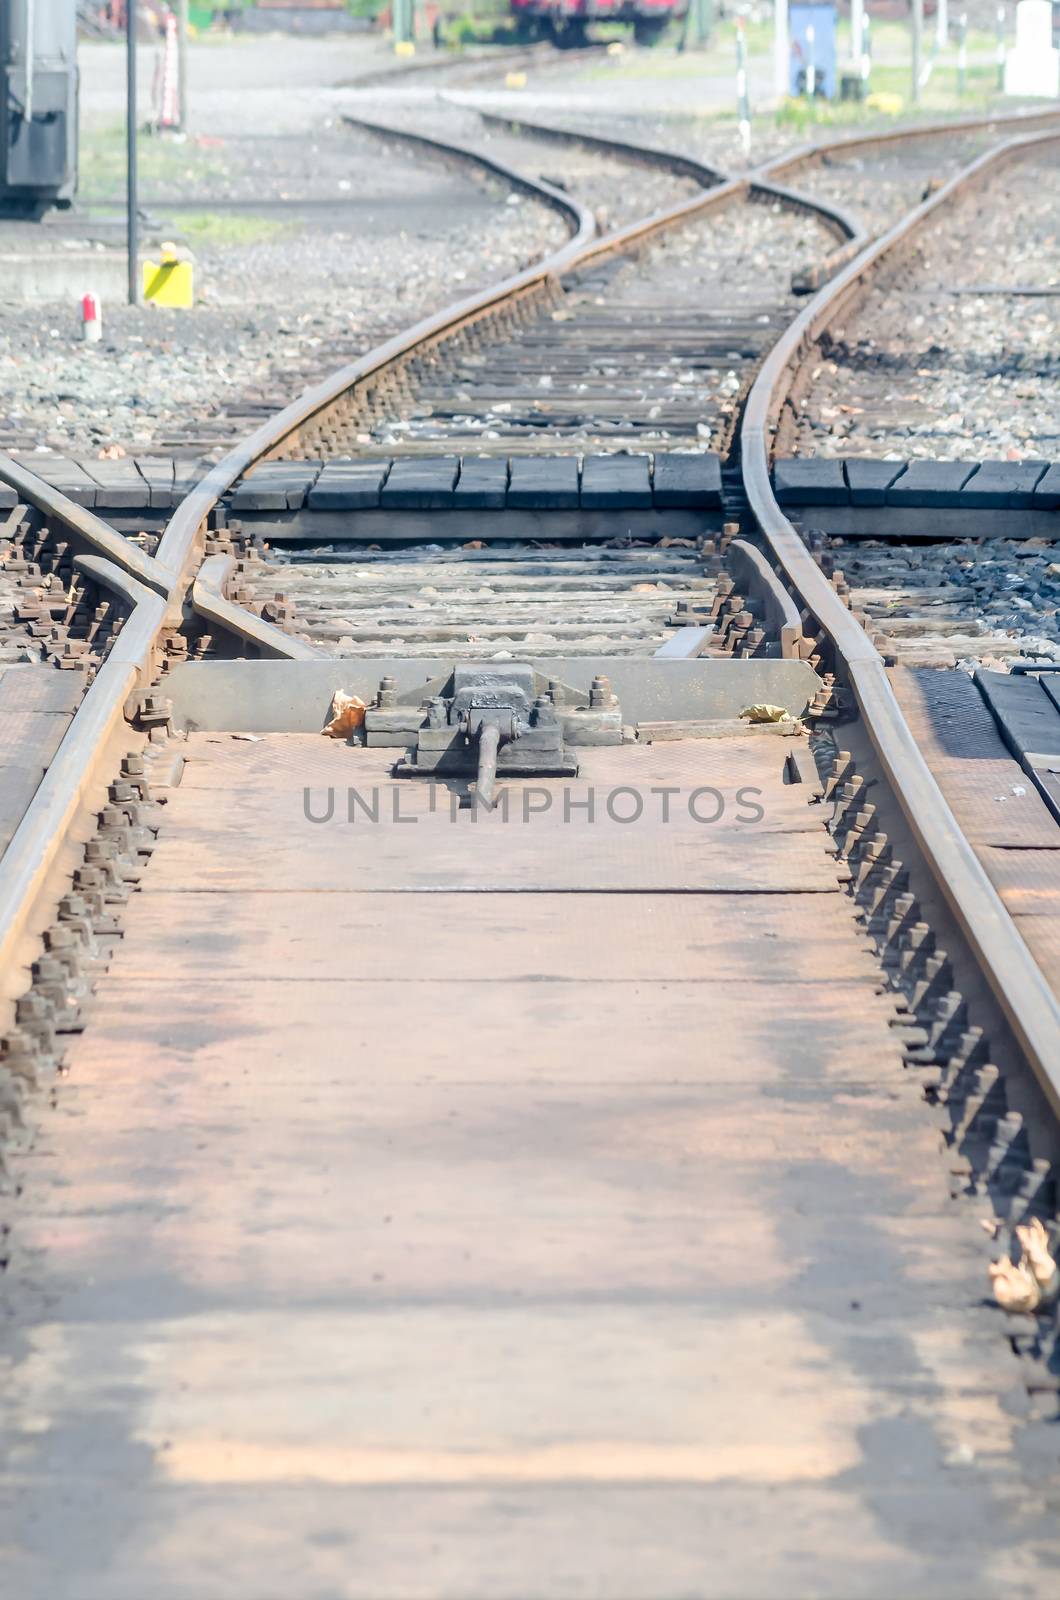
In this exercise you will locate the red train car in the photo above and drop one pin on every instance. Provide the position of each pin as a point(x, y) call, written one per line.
point(566, 21)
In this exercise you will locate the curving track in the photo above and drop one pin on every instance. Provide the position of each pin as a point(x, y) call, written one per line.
point(582, 1197)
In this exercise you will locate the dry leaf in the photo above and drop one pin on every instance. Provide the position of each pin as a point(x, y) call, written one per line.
point(347, 714)
point(1034, 1242)
point(765, 713)
point(1015, 1288)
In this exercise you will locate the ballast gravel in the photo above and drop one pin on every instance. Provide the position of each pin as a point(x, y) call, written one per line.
point(967, 603)
point(955, 353)
point(314, 287)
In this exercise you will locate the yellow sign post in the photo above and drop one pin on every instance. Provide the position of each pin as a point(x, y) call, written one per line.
point(169, 282)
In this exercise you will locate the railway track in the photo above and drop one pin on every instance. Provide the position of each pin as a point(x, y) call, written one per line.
point(569, 1194)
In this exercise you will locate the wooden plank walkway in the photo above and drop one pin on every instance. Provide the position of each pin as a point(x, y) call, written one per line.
point(36, 707)
point(1000, 812)
point(499, 1209)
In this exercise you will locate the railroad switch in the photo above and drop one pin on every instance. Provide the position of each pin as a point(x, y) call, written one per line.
point(486, 721)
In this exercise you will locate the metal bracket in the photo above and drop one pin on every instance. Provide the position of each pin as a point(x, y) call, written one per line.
point(485, 721)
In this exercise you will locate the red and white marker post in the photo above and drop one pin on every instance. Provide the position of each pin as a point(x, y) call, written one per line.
point(169, 111)
point(91, 319)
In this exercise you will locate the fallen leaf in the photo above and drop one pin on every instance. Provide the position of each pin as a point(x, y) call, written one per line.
point(766, 713)
point(347, 714)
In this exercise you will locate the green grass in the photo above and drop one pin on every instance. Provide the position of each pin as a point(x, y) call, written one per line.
point(219, 229)
point(891, 72)
point(161, 162)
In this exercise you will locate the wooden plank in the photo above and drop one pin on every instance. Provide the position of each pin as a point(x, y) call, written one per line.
point(158, 473)
point(686, 480)
point(869, 480)
point(69, 477)
point(482, 484)
point(997, 484)
point(354, 1209)
point(348, 486)
point(120, 484)
point(930, 483)
point(544, 482)
point(647, 938)
point(31, 687)
point(420, 483)
point(811, 481)
point(991, 796)
point(616, 482)
point(1026, 715)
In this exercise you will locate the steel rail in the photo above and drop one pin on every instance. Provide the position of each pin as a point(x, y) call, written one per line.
point(538, 188)
point(812, 151)
point(1017, 982)
point(722, 186)
point(183, 527)
point(474, 61)
point(71, 773)
point(761, 180)
point(579, 251)
point(209, 601)
point(644, 155)
point(39, 840)
point(748, 565)
point(41, 835)
point(96, 533)
point(155, 587)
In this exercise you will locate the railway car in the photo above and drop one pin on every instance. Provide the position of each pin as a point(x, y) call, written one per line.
point(566, 21)
point(38, 150)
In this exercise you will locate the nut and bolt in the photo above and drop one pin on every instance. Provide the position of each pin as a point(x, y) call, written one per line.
point(600, 692)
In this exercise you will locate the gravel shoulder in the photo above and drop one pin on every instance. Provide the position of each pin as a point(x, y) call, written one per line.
point(615, 190)
point(955, 352)
point(312, 243)
point(966, 603)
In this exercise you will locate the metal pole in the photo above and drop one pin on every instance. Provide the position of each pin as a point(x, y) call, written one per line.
point(918, 47)
point(1000, 48)
point(942, 24)
point(182, 63)
point(31, 56)
point(131, 215)
point(811, 63)
point(781, 48)
point(857, 31)
point(962, 52)
point(743, 104)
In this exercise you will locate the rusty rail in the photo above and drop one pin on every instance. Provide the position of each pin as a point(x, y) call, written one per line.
point(1028, 1003)
point(156, 588)
point(209, 601)
point(74, 771)
point(159, 585)
point(86, 526)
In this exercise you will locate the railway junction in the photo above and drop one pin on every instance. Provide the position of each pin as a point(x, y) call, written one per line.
point(529, 906)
